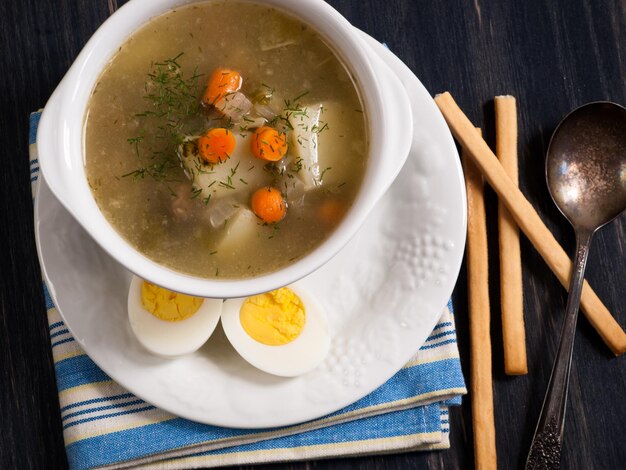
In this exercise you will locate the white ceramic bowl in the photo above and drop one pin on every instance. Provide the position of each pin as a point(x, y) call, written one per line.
point(60, 142)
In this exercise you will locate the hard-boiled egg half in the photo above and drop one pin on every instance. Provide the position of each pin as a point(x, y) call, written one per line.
point(283, 332)
point(168, 323)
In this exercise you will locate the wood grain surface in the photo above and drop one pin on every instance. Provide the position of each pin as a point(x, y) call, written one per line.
point(553, 56)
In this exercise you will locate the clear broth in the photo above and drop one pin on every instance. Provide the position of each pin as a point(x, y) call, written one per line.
point(270, 50)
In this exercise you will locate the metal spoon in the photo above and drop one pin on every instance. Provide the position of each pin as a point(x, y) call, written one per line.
point(586, 175)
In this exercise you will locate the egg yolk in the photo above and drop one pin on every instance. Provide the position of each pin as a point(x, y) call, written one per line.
point(274, 318)
point(166, 304)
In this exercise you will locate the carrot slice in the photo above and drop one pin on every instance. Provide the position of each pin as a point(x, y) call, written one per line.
point(331, 211)
point(269, 205)
point(268, 144)
point(221, 83)
point(216, 145)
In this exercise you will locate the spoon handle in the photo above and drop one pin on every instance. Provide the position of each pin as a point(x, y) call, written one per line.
point(545, 451)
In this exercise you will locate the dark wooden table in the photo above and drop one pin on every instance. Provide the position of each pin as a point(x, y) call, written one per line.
point(553, 56)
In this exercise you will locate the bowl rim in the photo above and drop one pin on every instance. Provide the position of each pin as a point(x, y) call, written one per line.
point(76, 87)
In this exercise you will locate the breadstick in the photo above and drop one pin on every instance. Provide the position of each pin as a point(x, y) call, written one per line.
point(511, 291)
point(479, 317)
point(529, 221)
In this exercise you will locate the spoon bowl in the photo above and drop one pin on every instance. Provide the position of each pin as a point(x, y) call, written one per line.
point(586, 176)
point(586, 164)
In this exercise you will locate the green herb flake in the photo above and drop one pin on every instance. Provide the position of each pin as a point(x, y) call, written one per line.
point(324, 172)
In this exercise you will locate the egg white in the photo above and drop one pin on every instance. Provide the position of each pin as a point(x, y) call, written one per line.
point(167, 338)
point(295, 358)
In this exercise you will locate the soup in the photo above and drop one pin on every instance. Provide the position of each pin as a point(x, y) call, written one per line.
point(225, 140)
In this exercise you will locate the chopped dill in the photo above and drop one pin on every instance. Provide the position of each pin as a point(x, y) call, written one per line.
point(135, 140)
point(157, 171)
point(297, 165)
point(226, 184)
point(228, 123)
point(324, 172)
point(195, 192)
point(318, 129)
point(275, 228)
point(172, 98)
point(301, 95)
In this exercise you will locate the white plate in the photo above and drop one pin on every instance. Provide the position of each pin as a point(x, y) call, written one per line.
point(383, 293)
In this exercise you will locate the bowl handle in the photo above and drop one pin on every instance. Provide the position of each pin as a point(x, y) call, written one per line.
point(54, 167)
point(398, 117)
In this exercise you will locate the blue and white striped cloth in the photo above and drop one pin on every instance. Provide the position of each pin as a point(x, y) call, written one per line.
point(105, 426)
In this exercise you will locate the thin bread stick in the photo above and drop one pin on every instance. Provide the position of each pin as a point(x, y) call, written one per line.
point(529, 221)
point(511, 290)
point(481, 386)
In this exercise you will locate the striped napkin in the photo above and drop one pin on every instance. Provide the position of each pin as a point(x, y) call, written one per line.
point(105, 426)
